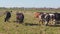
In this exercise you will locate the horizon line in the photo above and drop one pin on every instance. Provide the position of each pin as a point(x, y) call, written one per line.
point(29, 7)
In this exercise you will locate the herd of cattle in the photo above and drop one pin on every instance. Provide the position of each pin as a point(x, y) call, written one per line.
point(43, 17)
point(47, 17)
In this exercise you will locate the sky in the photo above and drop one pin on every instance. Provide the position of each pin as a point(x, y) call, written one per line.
point(30, 3)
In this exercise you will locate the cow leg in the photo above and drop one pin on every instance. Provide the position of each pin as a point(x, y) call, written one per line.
point(54, 22)
point(43, 20)
point(46, 23)
point(39, 21)
point(21, 20)
point(6, 19)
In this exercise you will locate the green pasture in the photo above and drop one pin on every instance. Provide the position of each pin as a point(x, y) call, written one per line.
point(16, 28)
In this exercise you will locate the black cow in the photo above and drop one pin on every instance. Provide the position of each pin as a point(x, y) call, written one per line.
point(57, 17)
point(8, 15)
point(20, 17)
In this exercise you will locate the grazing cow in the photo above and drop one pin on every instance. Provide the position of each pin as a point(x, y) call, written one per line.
point(20, 17)
point(54, 17)
point(8, 15)
point(40, 16)
point(47, 17)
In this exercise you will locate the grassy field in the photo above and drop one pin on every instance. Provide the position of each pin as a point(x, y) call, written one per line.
point(16, 28)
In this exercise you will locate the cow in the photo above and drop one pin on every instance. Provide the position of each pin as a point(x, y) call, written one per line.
point(40, 16)
point(8, 16)
point(20, 17)
point(54, 17)
point(47, 17)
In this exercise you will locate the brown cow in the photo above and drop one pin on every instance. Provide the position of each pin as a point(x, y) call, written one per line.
point(38, 15)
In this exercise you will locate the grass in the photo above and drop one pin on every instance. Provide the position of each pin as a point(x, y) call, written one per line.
point(16, 28)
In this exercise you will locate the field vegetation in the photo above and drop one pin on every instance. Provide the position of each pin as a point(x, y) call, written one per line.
point(30, 25)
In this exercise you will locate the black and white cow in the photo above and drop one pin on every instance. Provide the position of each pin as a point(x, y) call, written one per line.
point(54, 17)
